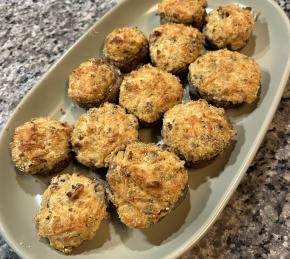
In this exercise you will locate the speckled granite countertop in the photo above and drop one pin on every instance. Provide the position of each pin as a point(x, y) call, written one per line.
point(256, 221)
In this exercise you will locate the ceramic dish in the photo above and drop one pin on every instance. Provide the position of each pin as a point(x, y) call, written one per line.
point(210, 186)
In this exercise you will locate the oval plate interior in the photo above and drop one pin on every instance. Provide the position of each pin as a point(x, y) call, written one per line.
point(210, 186)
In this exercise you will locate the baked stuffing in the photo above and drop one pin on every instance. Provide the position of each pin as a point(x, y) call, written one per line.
point(189, 12)
point(225, 78)
point(100, 131)
point(149, 92)
point(197, 131)
point(72, 208)
point(174, 46)
point(126, 48)
point(145, 183)
point(93, 83)
point(229, 26)
point(41, 146)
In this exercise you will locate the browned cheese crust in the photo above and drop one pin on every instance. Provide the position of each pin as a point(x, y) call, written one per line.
point(126, 48)
point(41, 146)
point(229, 26)
point(72, 208)
point(149, 92)
point(94, 82)
point(191, 12)
point(100, 131)
point(226, 76)
point(196, 130)
point(145, 183)
point(174, 46)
